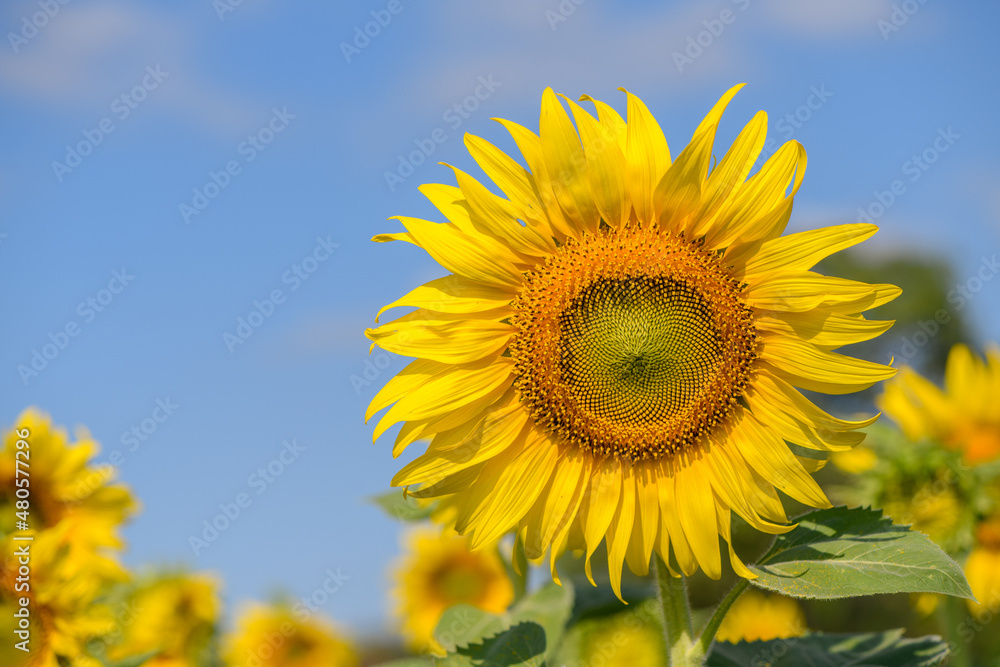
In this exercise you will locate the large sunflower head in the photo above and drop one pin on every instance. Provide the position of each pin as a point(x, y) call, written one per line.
point(64, 484)
point(963, 416)
point(439, 571)
point(617, 351)
point(173, 615)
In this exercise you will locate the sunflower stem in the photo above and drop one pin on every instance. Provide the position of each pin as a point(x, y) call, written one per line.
point(950, 615)
point(712, 627)
point(682, 650)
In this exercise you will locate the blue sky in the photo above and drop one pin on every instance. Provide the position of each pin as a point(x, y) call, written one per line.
point(170, 168)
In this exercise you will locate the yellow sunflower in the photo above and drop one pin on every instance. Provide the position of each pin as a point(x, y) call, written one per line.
point(61, 595)
point(174, 615)
point(982, 568)
point(275, 636)
point(62, 484)
point(617, 351)
point(759, 617)
point(439, 571)
point(965, 416)
point(626, 639)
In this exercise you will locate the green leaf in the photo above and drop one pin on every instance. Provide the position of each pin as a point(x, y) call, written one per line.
point(886, 649)
point(407, 662)
point(523, 645)
point(464, 624)
point(840, 552)
point(526, 635)
point(402, 509)
point(133, 661)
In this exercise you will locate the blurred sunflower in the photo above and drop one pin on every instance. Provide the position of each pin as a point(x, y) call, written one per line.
point(274, 636)
point(965, 416)
point(759, 617)
point(63, 486)
point(175, 616)
point(616, 352)
point(438, 571)
point(64, 610)
point(623, 640)
point(934, 509)
point(982, 568)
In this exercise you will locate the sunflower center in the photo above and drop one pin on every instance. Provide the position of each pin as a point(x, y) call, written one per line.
point(632, 343)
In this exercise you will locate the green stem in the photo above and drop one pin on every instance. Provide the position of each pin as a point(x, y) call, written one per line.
point(681, 648)
point(712, 627)
point(950, 614)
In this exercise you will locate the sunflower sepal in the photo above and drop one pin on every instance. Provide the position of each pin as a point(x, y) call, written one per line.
point(842, 552)
point(402, 507)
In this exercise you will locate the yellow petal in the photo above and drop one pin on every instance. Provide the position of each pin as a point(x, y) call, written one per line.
point(825, 329)
point(453, 294)
point(798, 291)
point(696, 508)
point(480, 258)
point(647, 156)
point(803, 250)
point(809, 367)
point(566, 164)
point(605, 490)
point(620, 531)
point(605, 167)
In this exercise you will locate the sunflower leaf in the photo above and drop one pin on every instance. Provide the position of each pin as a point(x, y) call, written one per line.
point(840, 552)
point(402, 509)
point(889, 649)
point(524, 636)
point(523, 645)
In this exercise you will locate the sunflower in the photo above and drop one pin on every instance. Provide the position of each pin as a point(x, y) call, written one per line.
point(64, 612)
point(627, 639)
point(618, 350)
point(439, 571)
point(63, 485)
point(174, 616)
point(274, 636)
point(965, 416)
point(759, 617)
